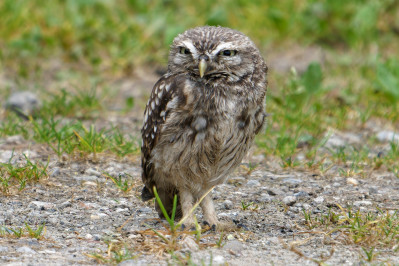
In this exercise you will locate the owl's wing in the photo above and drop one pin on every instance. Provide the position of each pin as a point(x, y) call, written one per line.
point(154, 118)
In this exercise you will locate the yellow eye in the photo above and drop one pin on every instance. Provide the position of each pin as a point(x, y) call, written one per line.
point(229, 52)
point(184, 50)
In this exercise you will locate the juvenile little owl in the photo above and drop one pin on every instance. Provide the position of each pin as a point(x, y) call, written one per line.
point(202, 117)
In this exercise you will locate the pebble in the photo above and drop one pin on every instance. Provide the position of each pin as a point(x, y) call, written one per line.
point(65, 204)
point(145, 210)
point(228, 204)
point(235, 246)
point(3, 249)
point(42, 204)
point(230, 237)
point(253, 183)
point(16, 139)
point(24, 103)
point(92, 171)
point(55, 171)
point(373, 190)
point(289, 200)
point(86, 178)
point(264, 197)
point(362, 203)
point(189, 243)
point(387, 136)
point(138, 262)
point(292, 181)
point(335, 142)
point(301, 194)
point(218, 259)
point(352, 181)
point(319, 200)
point(26, 249)
point(5, 156)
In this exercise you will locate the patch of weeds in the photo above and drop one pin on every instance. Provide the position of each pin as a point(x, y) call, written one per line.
point(122, 145)
point(249, 206)
point(26, 231)
point(83, 104)
point(12, 175)
point(387, 80)
point(122, 182)
point(90, 140)
point(250, 168)
point(369, 254)
point(169, 240)
point(116, 253)
point(13, 125)
point(377, 230)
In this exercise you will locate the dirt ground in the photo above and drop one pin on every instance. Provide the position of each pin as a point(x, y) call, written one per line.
point(85, 213)
point(82, 208)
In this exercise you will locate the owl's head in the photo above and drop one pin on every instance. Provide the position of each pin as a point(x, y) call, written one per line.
point(208, 52)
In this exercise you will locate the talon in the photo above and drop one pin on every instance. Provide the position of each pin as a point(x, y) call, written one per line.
point(242, 226)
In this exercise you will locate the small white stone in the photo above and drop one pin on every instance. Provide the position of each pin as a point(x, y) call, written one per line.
point(219, 259)
point(386, 136)
point(230, 237)
point(92, 171)
point(189, 243)
point(42, 204)
point(352, 181)
point(289, 200)
point(362, 203)
point(26, 249)
point(253, 183)
point(319, 200)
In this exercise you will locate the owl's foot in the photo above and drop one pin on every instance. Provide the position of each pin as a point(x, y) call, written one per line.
point(221, 226)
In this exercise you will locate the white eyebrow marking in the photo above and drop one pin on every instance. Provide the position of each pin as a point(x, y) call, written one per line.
point(222, 46)
point(191, 47)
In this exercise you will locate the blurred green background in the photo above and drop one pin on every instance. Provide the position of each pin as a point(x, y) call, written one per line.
point(333, 64)
point(116, 35)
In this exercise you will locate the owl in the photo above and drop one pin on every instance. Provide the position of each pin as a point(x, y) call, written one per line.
point(202, 117)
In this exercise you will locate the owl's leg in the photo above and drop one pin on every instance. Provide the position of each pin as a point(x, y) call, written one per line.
point(211, 218)
point(186, 203)
point(209, 210)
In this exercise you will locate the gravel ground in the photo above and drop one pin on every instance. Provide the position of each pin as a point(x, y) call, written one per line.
point(82, 209)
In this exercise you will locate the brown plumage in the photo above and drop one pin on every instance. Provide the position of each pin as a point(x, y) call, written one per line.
point(202, 116)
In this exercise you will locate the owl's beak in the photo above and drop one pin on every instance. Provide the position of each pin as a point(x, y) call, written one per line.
point(202, 66)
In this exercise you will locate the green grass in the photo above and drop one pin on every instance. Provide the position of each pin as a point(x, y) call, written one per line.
point(17, 176)
point(26, 231)
point(375, 232)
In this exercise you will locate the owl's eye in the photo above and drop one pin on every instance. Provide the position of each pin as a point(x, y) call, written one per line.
point(229, 52)
point(184, 50)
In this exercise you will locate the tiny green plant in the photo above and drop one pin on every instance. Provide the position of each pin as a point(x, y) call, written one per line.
point(219, 242)
point(18, 175)
point(116, 253)
point(41, 229)
point(249, 206)
point(26, 231)
point(171, 235)
point(370, 254)
point(122, 182)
